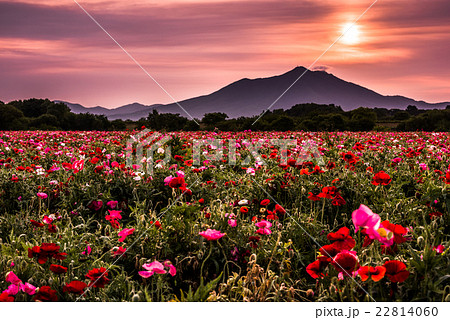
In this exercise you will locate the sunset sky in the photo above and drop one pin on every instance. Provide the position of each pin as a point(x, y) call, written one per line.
point(51, 49)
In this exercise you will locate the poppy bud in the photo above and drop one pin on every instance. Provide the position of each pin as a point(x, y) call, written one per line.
point(135, 298)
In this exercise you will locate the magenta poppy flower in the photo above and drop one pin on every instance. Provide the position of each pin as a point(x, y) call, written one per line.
point(42, 195)
point(96, 205)
point(47, 220)
point(112, 204)
point(232, 223)
point(77, 166)
point(264, 227)
point(118, 251)
point(11, 277)
point(113, 215)
point(167, 180)
point(439, 249)
point(87, 251)
point(211, 234)
point(28, 288)
point(365, 218)
point(172, 269)
point(12, 290)
point(152, 268)
point(125, 233)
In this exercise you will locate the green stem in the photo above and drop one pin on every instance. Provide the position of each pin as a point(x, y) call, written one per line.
point(203, 263)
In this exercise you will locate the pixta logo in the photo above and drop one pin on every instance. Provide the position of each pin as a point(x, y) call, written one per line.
point(141, 149)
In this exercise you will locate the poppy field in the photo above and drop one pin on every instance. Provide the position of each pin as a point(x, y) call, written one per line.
point(365, 218)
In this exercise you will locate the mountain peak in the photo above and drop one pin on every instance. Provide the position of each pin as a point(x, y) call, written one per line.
point(250, 97)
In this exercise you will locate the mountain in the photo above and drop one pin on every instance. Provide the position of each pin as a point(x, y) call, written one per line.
point(133, 111)
point(248, 97)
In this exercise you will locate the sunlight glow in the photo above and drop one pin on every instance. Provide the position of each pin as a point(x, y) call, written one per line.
point(352, 34)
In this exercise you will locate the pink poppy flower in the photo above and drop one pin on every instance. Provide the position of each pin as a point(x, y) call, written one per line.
point(167, 180)
point(28, 288)
point(264, 227)
point(180, 174)
point(365, 218)
point(152, 268)
point(211, 234)
point(125, 233)
point(42, 195)
point(77, 166)
point(232, 223)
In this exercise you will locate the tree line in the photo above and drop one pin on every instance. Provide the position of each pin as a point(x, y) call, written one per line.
point(43, 114)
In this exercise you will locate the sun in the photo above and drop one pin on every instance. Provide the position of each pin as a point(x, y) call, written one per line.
point(351, 34)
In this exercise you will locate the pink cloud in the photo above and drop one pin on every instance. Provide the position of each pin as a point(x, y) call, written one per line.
point(194, 48)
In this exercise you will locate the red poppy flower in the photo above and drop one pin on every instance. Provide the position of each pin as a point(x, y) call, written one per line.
point(313, 197)
point(396, 271)
point(57, 269)
point(201, 201)
point(265, 202)
point(157, 224)
point(377, 273)
point(389, 250)
point(76, 287)
point(95, 205)
point(45, 251)
point(330, 165)
point(316, 268)
point(177, 182)
point(317, 170)
point(342, 239)
point(36, 223)
point(435, 215)
point(46, 293)
point(381, 178)
point(358, 146)
point(118, 251)
point(350, 158)
point(5, 297)
point(243, 209)
point(253, 241)
point(397, 230)
point(329, 251)
point(94, 160)
point(186, 191)
point(446, 179)
point(328, 192)
point(346, 262)
point(51, 228)
point(279, 209)
point(338, 201)
point(98, 277)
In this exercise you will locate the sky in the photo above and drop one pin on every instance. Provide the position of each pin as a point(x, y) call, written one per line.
point(52, 49)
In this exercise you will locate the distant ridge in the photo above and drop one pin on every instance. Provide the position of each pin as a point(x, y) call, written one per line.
point(249, 97)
